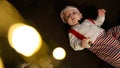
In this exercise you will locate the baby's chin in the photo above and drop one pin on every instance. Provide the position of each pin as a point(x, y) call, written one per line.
point(75, 21)
point(74, 24)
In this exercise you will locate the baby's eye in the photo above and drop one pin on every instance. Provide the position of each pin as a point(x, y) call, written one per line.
point(74, 12)
point(68, 15)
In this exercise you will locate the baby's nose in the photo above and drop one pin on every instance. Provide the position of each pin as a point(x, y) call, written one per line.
point(72, 16)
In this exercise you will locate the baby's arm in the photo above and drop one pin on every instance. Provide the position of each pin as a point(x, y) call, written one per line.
point(75, 43)
point(101, 17)
point(78, 44)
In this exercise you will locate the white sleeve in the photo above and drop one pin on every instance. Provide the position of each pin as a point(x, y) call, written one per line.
point(75, 43)
point(99, 20)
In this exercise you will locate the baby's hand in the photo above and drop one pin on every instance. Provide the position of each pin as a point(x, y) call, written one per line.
point(101, 12)
point(86, 43)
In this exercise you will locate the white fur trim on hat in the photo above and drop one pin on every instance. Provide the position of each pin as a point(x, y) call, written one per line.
point(62, 15)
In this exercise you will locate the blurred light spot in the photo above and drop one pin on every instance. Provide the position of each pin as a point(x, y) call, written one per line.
point(24, 39)
point(1, 63)
point(59, 53)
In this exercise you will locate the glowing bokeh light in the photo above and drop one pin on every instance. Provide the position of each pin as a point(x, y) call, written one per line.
point(59, 53)
point(1, 63)
point(24, 39)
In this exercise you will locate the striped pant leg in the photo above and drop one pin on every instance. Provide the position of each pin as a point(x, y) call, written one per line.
point(107, 48)
point(115, 31)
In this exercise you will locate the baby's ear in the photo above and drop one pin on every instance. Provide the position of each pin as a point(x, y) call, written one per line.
point(81, 16)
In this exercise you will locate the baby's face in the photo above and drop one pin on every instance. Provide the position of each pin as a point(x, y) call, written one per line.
point(72, 16)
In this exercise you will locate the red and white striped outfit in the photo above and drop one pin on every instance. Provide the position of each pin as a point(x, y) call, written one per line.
point(107, 46)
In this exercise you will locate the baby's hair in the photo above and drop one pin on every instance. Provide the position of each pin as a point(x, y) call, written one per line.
point(62, 15)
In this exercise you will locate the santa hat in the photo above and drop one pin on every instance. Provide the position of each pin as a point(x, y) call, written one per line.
point(62, 15)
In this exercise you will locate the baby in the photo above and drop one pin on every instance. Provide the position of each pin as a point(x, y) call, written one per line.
point(105, 44)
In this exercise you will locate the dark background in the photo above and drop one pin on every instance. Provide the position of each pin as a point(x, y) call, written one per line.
point(44, 16)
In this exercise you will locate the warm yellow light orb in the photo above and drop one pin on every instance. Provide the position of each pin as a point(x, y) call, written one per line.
point(59, 53)
point(1, 63)
point(24, 39)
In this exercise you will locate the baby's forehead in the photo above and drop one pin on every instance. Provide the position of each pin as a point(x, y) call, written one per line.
point(71, 9)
